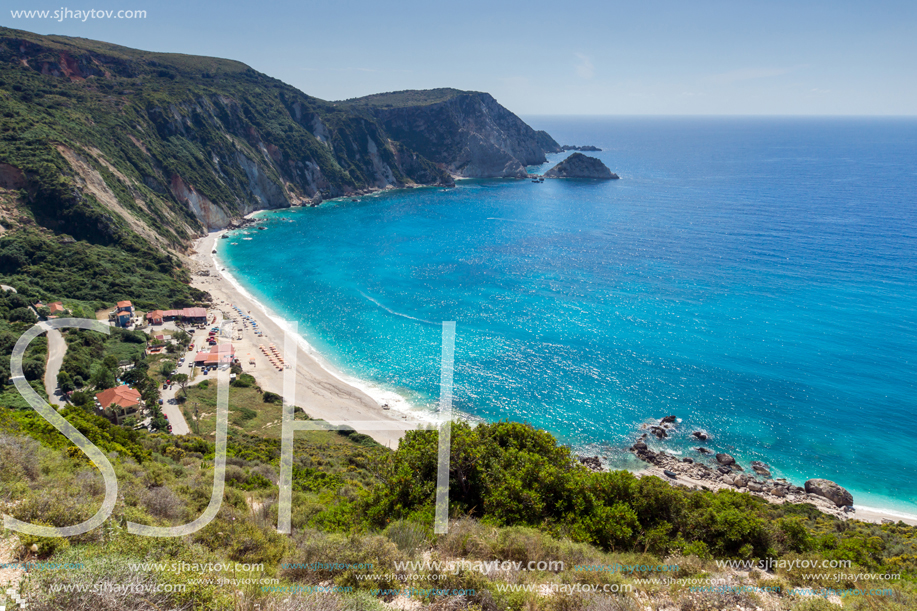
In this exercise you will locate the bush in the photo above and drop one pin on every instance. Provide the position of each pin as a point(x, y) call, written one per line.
point(22, 315)
point(244, 381)
point(270, 397)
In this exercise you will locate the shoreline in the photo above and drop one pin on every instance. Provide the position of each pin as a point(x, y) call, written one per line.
point(873, 515)
point(320, 391)
point(381, 395)
point(223, 285)
point(697, 475)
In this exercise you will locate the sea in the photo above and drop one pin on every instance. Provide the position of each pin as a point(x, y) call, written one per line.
point(754, 277)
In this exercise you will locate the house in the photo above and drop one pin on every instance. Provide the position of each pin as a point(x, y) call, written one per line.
point(156, 317)
point(56, 308)
point(119, 402)
point(120, 319)
point(125, 306)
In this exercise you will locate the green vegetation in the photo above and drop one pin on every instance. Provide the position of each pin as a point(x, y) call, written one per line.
point(93, 168)
point(339, 485)
point(403, 99)
point(49, 269)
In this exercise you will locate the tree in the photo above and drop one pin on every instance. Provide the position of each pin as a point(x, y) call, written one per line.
point(23, 315)
point(182, 338)
point(33, 370)
point(65, 382)
point(182, 380)
point(166, 368)
point(102, 377)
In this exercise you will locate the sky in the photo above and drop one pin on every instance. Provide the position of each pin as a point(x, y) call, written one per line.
point(580, 57)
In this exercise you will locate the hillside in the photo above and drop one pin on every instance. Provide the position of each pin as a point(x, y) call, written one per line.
point(135, 153)
point(467, 132)
point(165, 146)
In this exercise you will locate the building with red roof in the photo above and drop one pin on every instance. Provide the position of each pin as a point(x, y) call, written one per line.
point(214, 356)
point(119, 402)
point(155, 317)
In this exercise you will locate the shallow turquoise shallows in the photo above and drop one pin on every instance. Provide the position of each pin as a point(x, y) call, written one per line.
point(756, 278)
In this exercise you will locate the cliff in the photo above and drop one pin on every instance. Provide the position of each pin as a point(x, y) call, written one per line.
point(578, 165)
point(109, 144)
point(466, 133)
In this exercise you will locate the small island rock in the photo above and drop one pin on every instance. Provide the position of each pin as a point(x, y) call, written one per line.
point(578, 165)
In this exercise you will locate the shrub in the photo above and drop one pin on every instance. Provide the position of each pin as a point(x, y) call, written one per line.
point(163, 503)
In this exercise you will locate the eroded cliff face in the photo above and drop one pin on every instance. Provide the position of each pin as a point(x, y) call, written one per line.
point(163, 147)
point(469, 133)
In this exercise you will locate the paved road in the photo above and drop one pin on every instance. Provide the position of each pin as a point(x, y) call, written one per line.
point(57, 347)
point(172, 410)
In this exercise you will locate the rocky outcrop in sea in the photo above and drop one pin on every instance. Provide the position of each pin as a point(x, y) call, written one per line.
point(714, 470)
point(578, 165)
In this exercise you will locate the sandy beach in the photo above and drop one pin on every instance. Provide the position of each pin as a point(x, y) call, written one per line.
point(321, 393)
point(324, 394)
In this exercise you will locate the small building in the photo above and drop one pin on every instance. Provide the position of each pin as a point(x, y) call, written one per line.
point(214, 356)
point(195, 316)
point(119, 403)
point(155, 317)
point(56, 308)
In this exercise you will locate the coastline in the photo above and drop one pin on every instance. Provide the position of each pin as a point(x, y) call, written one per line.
point(688, 476)
point(363, 398)
point(321, 391)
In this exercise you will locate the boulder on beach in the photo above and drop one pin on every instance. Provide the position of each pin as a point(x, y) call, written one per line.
point(827, 489)
point(725, 459)
point(591, 462)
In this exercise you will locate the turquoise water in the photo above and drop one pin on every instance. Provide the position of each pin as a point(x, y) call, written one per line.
point(754, 277)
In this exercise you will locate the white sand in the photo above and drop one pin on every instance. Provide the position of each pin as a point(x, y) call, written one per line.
point(321, 392)
point(326, 394)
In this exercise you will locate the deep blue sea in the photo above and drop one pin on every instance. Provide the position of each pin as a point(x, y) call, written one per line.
point(756, 277)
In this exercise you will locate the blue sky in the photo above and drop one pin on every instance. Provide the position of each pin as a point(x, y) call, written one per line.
point(580, 57)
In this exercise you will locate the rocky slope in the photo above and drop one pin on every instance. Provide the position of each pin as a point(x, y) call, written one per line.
point(578, 165)
point(112, 145)
point(465, 132)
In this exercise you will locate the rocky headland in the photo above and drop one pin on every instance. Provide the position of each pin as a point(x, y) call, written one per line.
point(587, 148)
point(578, 165)
point(713, 470)
point(467, 133)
